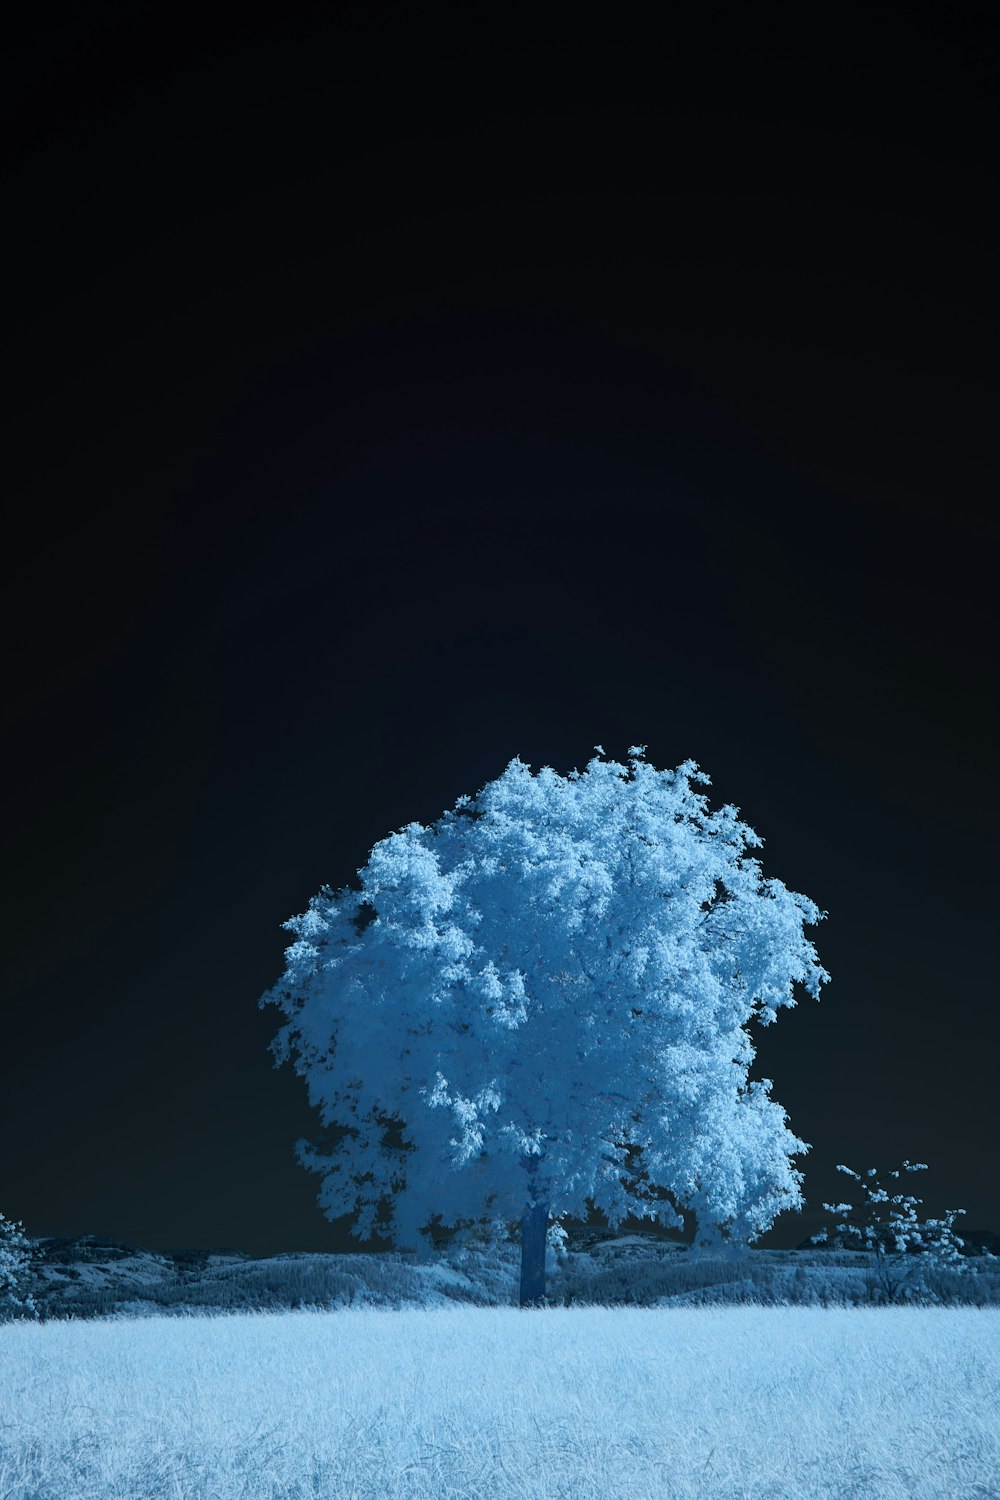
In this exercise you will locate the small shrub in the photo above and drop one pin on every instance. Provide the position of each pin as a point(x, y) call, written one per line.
point(902, 1246)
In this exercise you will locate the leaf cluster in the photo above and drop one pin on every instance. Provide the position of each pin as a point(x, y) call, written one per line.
point(16, 1260)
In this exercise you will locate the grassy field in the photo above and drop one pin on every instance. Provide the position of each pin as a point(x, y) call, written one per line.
point(589, 1403)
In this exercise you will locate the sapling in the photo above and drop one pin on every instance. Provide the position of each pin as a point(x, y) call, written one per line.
point(888, 1227)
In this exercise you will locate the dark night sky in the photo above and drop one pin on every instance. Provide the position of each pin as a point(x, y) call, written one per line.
point(389, 396)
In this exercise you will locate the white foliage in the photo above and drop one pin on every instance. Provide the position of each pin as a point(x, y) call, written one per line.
point(888, 1227)
point(542, 998)
point(15, 1266)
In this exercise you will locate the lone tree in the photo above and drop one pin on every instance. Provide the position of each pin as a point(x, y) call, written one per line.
point(536, 1006)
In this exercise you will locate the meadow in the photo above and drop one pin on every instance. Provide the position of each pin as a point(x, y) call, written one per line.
point(582, 1403)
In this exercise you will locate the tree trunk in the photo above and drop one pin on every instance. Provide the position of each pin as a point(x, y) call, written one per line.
point(534, 1224)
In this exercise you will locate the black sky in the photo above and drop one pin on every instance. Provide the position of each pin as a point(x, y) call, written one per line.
point(392, 392)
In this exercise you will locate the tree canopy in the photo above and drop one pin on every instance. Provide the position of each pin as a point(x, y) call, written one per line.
point(541, 999)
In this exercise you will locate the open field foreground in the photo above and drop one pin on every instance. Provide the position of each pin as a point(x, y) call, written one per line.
point(584, 1403)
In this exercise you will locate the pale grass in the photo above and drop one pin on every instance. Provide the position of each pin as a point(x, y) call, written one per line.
point(477, 1403)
